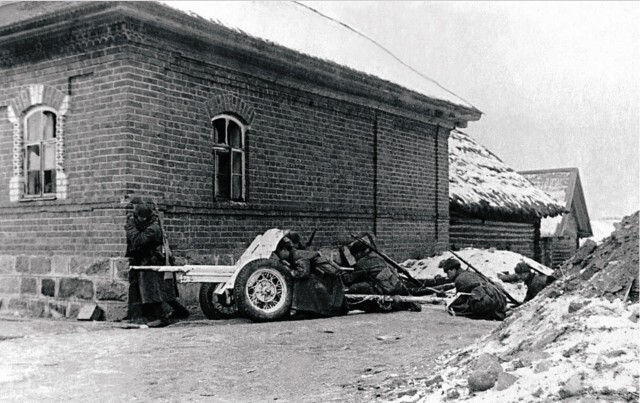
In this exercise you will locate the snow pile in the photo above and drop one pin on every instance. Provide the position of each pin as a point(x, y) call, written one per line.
point(479, 182)
point(601, 229)
point(489, 262)
point(577, 341)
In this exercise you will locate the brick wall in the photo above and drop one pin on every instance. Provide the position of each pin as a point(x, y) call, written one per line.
point(139, 125)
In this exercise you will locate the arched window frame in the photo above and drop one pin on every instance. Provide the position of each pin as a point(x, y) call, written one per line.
point(26, 102)
point(229, 160)
point(42, 143)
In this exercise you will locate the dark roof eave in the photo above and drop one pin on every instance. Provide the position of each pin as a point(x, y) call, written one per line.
point(524, 213)
point(338, 79)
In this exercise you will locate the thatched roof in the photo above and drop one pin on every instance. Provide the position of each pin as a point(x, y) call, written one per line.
point(481, 184)
point(564, 186)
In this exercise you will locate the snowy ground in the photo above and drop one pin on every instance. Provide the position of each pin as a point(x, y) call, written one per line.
point(489, 262)
point(584, 349)
point(577, 341)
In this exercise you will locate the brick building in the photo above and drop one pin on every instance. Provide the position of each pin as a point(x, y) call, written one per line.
point(229, 134)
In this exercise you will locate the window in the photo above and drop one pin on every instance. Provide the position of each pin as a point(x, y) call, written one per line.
point(40, 153)
point(228, 155)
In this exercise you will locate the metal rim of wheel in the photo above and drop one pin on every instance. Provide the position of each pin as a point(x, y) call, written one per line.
point(266, 290)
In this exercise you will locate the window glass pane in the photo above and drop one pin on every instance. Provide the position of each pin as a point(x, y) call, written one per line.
point(33, 158)
point(237, 163)
point(34, 127)
point(237, 188)
point(223, 176)
point(33, 182)
point(235, 135)
point(49, 156)
point(50, 181)
point(219, 133)
point(49, 129)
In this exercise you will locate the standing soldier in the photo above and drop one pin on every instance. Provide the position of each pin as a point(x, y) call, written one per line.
point(477, 298)
point(147, 288)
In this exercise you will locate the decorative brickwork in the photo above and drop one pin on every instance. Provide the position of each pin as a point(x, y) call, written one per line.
point(225, 103)
point(28, 97)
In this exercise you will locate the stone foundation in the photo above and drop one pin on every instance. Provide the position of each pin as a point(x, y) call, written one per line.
point(59, 286)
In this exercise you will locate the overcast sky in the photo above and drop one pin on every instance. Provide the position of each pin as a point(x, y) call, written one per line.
point(557, 82)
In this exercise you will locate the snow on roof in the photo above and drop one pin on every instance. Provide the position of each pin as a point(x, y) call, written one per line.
point(302, 29)
point(479, 182)
point(563, 185)
point(555, 183)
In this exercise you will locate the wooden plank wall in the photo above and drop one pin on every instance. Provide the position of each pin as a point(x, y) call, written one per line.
point(503, 235)
point(560, 249)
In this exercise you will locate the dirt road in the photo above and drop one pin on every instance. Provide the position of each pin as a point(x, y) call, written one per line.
point(355, 358)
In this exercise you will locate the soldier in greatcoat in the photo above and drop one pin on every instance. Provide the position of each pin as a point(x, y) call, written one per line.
point(534, 281)
point(148, 289)
point(477, 298)
point(317, 286)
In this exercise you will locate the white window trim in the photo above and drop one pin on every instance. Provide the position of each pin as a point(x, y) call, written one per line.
point(30, 112)
point(35, 94)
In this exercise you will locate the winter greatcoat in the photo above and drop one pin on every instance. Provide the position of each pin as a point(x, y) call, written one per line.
point(536, 283)
point(485, 302)
point(317, 288)
point(144, 248)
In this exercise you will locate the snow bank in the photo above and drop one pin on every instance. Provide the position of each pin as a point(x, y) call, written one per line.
point(489, 262)
point(577, 341)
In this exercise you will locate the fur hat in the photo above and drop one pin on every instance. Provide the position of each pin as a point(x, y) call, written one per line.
point(449, 264)
point(522, 267)
point(142, 211)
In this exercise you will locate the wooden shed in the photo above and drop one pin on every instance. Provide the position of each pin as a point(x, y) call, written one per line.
point(491, 205)
point(561, 235)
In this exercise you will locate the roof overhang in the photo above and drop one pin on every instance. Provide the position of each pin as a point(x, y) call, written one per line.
point(219, 45)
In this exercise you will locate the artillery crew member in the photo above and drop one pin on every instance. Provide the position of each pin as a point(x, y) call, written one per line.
point(477, 298)
point(534, 281)
point(371, 275)
point(317, 286)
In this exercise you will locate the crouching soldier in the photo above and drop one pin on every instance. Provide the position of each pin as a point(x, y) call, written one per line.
point(372, 276)
point(477, 298)
point(534, 281)
point(317, 286)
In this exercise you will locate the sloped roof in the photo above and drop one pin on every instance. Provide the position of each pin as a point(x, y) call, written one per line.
point(301, 28)
point(564, 186)
point(481, 184)
point(341, 50)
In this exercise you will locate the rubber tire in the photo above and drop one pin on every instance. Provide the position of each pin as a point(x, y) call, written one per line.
point(244, 304)
point(213, 305)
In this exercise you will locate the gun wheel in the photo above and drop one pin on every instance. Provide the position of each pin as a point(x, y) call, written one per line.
point(216, 306)
point(264, 290)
